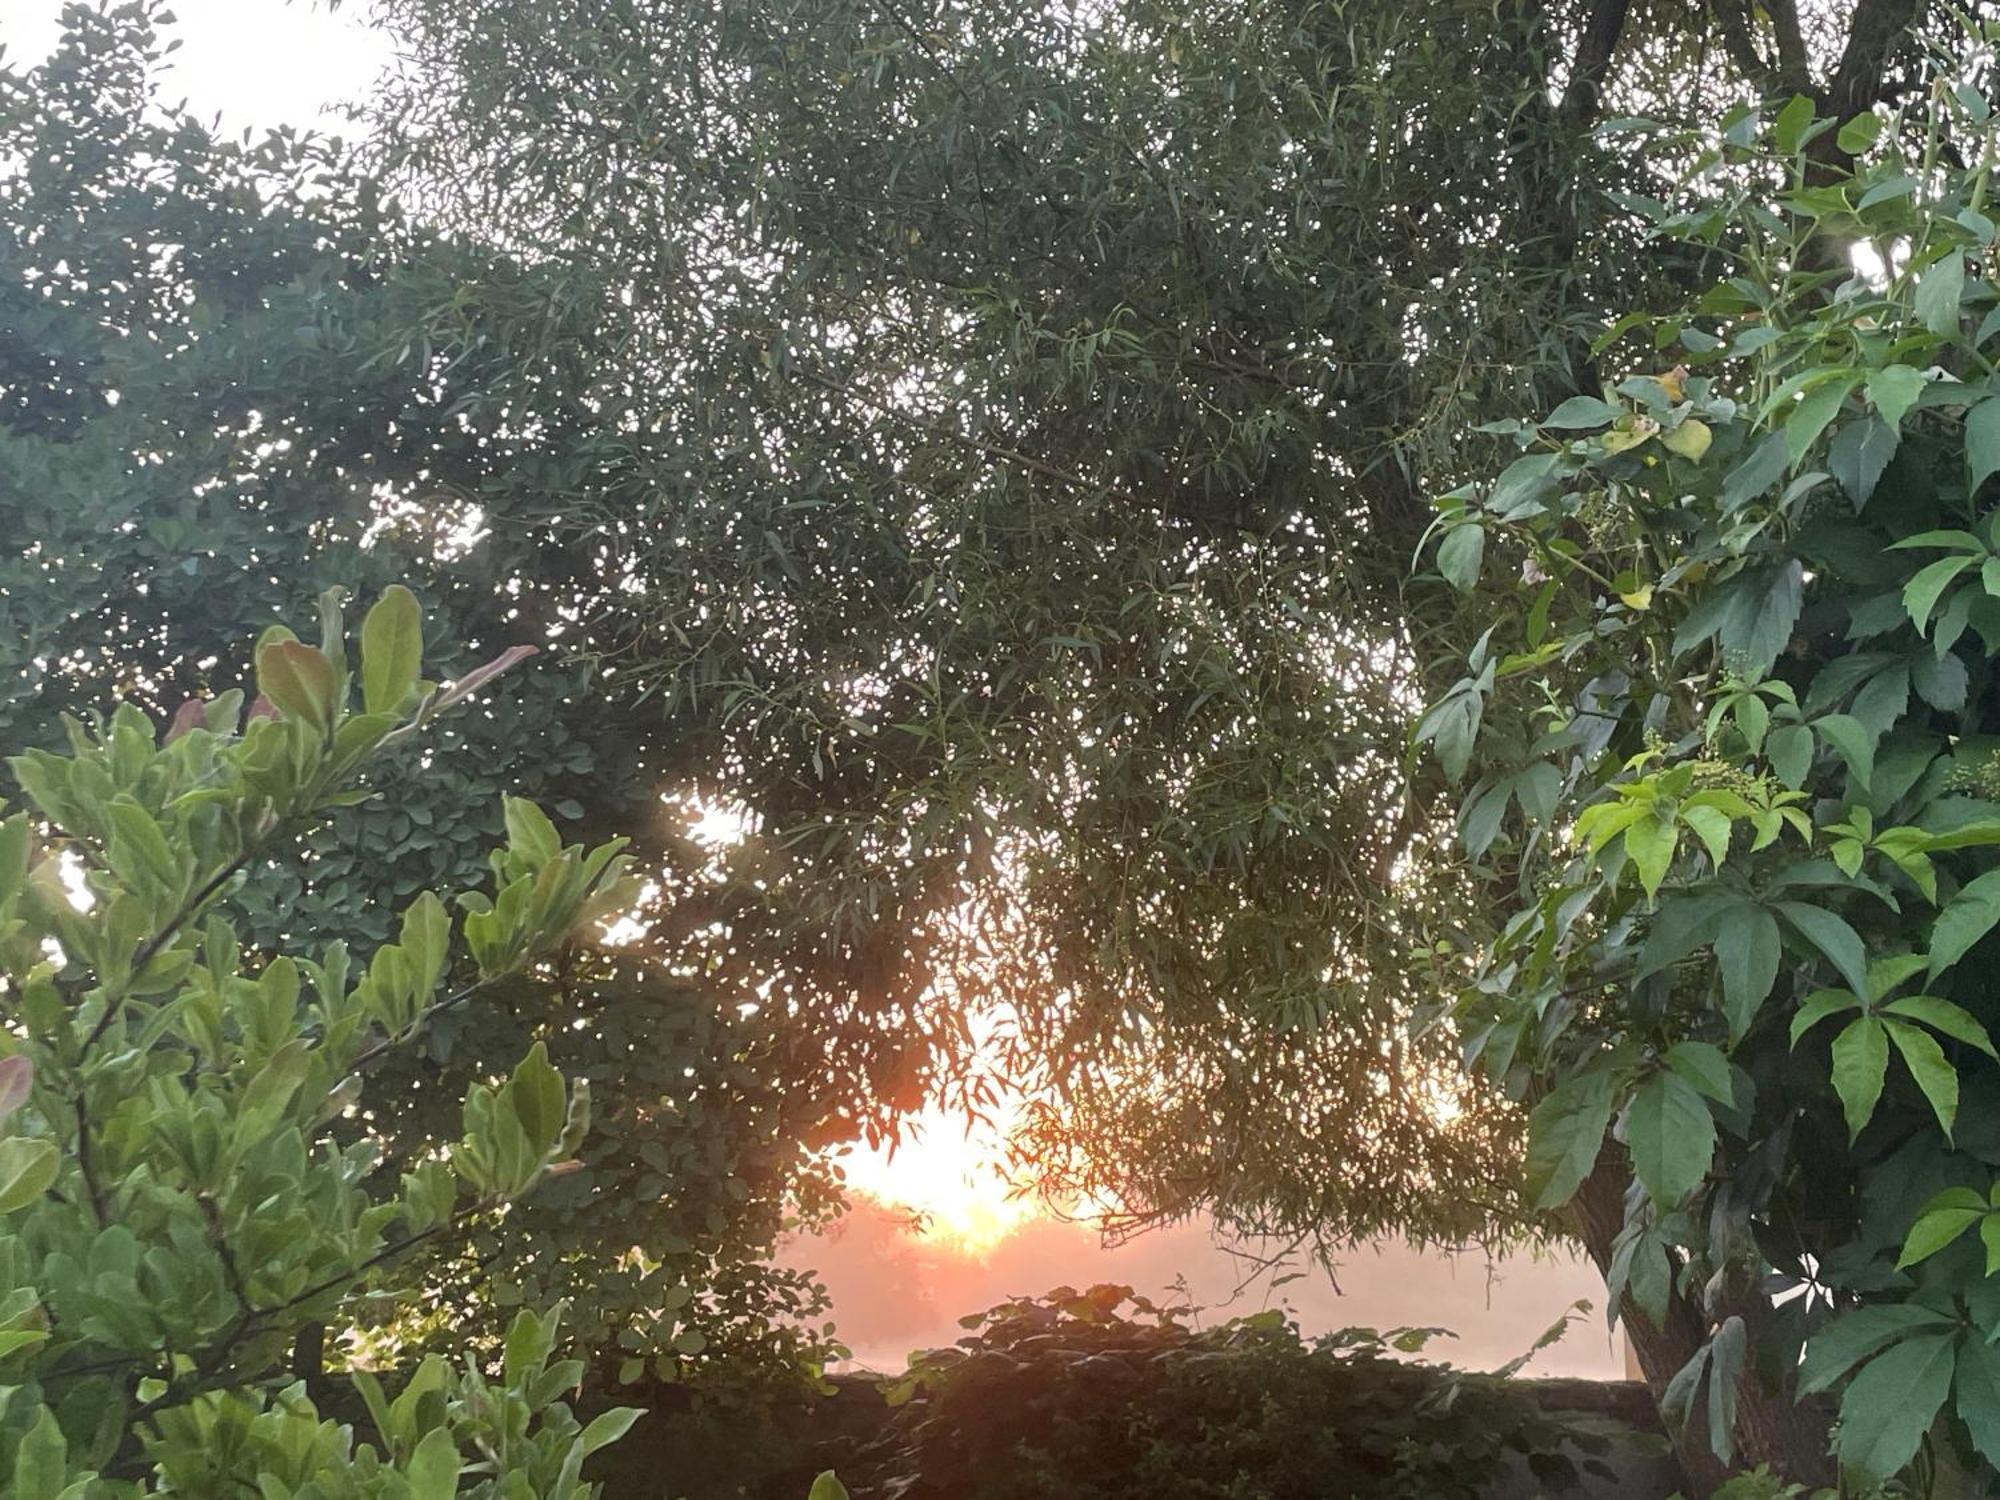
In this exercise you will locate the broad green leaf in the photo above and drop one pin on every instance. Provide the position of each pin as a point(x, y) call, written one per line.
point(1818, 1006)
point(1921, 593)
point(1832, 936)
point(1967, 918)
point(1650, 843)
point(608, 1428)
point(1939, 291)
point(299, 680)
point(1815, 410)
point(1859, 455)
point(1671, 1136)
point(1581, 412)
point(530, 832)
point(1853, 1336)
point(1725, 1370)
point(1982, 441)
point(1860, 1063)
point(1703, 1065)
point(1891, 1404)
point(1942, 1221)
point(1763, 467)
point(1789, 750)
point(1711, 825)
point(392, 650)
point(1565, 1133)
point(1788, 130)
point(1976, 1383)
point(1941, 1015)
point(27, 1168)
point(1459, 556)
point(1747, 950)
point(1932, 1070)
point(1894, 390)
point(434, 1467)
point(1691, 439)
point(1859, 133)
point(827, 1487)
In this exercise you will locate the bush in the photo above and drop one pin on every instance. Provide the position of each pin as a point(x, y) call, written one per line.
point(189, 1191)
point(1068, 1396)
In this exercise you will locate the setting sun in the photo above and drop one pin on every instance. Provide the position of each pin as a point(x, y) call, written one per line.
point(946, 1175)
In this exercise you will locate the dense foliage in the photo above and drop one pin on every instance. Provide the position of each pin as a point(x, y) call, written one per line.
point(1102, 1394)
point(182, 1194)
point(1731, 751)
point(232, 375)
point(1024, 417)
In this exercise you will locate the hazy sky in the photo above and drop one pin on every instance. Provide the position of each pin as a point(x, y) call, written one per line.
point(258, 63)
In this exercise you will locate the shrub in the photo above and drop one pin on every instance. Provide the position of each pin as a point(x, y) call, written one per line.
point(188, 1187)
point(1070, 1396)
point(1732, 761)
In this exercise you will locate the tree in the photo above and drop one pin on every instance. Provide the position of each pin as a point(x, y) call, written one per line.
point(1026, 414)
point(177, 1204)
point(231, 381)
point(1729, 762)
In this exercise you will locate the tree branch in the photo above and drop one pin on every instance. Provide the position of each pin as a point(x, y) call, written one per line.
point(1860, 79)
point(1584, 94)
point(1794, 69)
point(1732, 19)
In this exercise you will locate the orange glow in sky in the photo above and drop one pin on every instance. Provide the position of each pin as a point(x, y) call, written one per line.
point(946, 1177)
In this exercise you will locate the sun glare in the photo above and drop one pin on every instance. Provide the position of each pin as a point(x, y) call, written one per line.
point(945, 1176)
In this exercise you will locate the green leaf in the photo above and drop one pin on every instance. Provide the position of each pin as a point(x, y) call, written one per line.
point(1860, 1064)
point(1859, 133)
point(1565, 1133)
point(1939, 291)
point(1725, 1370)
point(1891, 1404)
point(536, 1090)
point(27, 1168)
point(1747, 950)
point(392, 650)
point(1942, 1221)
point(1853, 1336)
point(41, 1461)
point(1859, 455)
point(299, 680)
point(1831, 935)
point(1941, 1015)
point(1815, 410)
point(530, 832)
point(1819, 1005)
point(1976, 1380)
point(1788, 130)
point(1982, 441)
point(1894, 390)
point(1789, 750)
point(1921, 593)
point(1967, 918)
point(1928, 1065)
point(608, 1428)
point(1650, 842)
point(1581, 412)
point(827, 1487)
point(434, 1467)
point(1671, 1136)
point(1460, 554)
point(1763, 467)
point(1703, 1065)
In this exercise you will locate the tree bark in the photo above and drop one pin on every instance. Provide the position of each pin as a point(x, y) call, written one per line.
point(1771, 1427)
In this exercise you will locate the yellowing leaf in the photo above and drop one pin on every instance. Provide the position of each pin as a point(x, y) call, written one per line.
point(1690, 440)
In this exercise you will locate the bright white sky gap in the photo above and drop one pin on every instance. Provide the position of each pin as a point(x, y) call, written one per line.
point(256, 63)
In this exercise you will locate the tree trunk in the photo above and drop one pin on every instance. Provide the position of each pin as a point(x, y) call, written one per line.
point(1771, 1428)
